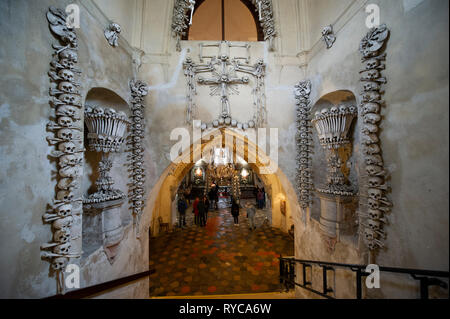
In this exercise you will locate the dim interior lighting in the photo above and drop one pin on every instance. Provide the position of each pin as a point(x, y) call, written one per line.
point(198, 171)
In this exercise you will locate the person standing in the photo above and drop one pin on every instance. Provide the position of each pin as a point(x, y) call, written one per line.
point(260, 199)
point(235, 212)
point(251, 212)
point(211, 197)
point(196, 211)
point(205, 199)
point(201, 213)
point(182, 206)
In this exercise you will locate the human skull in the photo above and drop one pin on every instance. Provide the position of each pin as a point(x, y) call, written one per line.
point(64, 210)
point(67, 147)
point(374, 170)
point(59, 263)
point(371, 86)
point(375, 193)
point(65, 183)
point(372, 149)
point(372, 64)
point(65, 134)
point(70, 37)
point(343, 109)
point(369, 234)
point(372, 75)
point(375, 214)
point(66, 63)
point(98, 110)
point(66, 75)
point(64, 195)
point(70, 99)
point(374, 224)
point(63, 223)
point(62, 249)
point(70, 159)
point(376, 181)
point(373, 204)
point(334, 110)
point(65, 121)
point(370, 139)
point(374, 160)
point(324, 112)
point(61, 236)
point(369, 128)
point(67, 110)
point(372, 118)
point(69, 54)
point(371, 108)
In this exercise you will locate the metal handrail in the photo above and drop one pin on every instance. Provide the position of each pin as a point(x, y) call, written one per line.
point(426, 278)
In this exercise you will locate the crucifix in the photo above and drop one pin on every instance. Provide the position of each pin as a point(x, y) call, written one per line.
point(223, 81)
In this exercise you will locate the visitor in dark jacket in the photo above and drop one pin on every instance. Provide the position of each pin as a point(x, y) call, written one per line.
point(206, 201)
point(182, 206)
point(201, 213)
point(235, 212)
point(195, 210)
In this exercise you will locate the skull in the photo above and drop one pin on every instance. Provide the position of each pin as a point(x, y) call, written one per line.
point(371, 96)
point(369, 128)
point(374, 160)
point(373, 204)
point(369, 234)
point(69, 54)
point(372, 75)
point(375, 225)
point(67, 110)
point(137, 113)
point(371, 86)
point(70, 99)
point(375, 214)
point(67, 87)
point(66, 75)
point(65, 183)
point(70, 37)
point(375, 193)
point(372, 64)
point(64, 210)
point(375, 181)
point(343, 109)
point(370, 139)
point(67, 147)
point(66, 63)
point(61, 236)
point(334, 110)
point(65, 121)
point(65, 222)
point(62, 249)
point(138, 178)
point(64, 195)
point(373, 149)
point(324, 112)
point(371, 108)
point(372, 118)
point(65, 134)
point(71, 159)
point(374, 170)
point(59, 263)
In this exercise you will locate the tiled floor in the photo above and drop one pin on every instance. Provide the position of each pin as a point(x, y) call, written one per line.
point(218, 259)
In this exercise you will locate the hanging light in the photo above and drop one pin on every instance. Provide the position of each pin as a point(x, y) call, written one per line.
point(199, 171)
point(244, 173)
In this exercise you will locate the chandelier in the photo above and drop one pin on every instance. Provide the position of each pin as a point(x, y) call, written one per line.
point(221, 167)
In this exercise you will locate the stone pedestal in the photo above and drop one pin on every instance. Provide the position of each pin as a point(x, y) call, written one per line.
point(334, 214)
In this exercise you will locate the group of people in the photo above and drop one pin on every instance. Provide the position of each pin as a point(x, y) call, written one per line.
point(250, 209)
point(200, 208)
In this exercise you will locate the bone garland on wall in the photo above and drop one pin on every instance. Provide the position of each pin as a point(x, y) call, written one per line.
point(377, 204)
point(303, 142)
point(139, 90)
point(112, 34)
point(328, 36)
point(181, 18)
point(265, 12)
point(68, 139)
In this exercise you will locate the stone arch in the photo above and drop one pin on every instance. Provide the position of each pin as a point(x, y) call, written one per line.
point(277, 185)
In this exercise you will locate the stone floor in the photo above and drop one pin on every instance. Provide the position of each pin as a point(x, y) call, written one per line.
point(218, 259)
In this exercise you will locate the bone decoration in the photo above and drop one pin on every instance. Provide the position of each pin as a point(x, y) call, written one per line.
point(328, 36)
point(375, 199)
point(112, 33)
point(224, 82)
point(304, 143)
point(266, 20)
point(67, 139)
point(139, 90)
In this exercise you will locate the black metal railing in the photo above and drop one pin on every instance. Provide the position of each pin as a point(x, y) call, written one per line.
point(426, 278)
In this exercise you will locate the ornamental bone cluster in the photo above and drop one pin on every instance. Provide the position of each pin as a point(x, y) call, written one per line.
point(304, 143)
point(67, 138)
point(112, 33)
point(139, 90)
point(378, 204)
point(223, 83)
point(181, 18)
point(328, 36)
point(265, 11)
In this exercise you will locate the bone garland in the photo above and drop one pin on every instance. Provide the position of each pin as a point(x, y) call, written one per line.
point(328, 36)
point(265, 11)
point(181, 18)
point(304, 143)
point(66, 100)
point(377, 204)
point(139, 90)
point(112, 34)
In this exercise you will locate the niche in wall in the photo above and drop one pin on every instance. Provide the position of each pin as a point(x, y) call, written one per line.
point(335, 166)
point(94, 221)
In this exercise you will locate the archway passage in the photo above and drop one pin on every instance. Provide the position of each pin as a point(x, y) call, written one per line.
point(220, 258)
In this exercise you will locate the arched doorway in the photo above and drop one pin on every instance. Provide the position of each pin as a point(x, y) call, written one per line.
point(233, 253)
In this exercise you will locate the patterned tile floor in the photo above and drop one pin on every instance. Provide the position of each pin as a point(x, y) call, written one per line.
point(218, 259)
